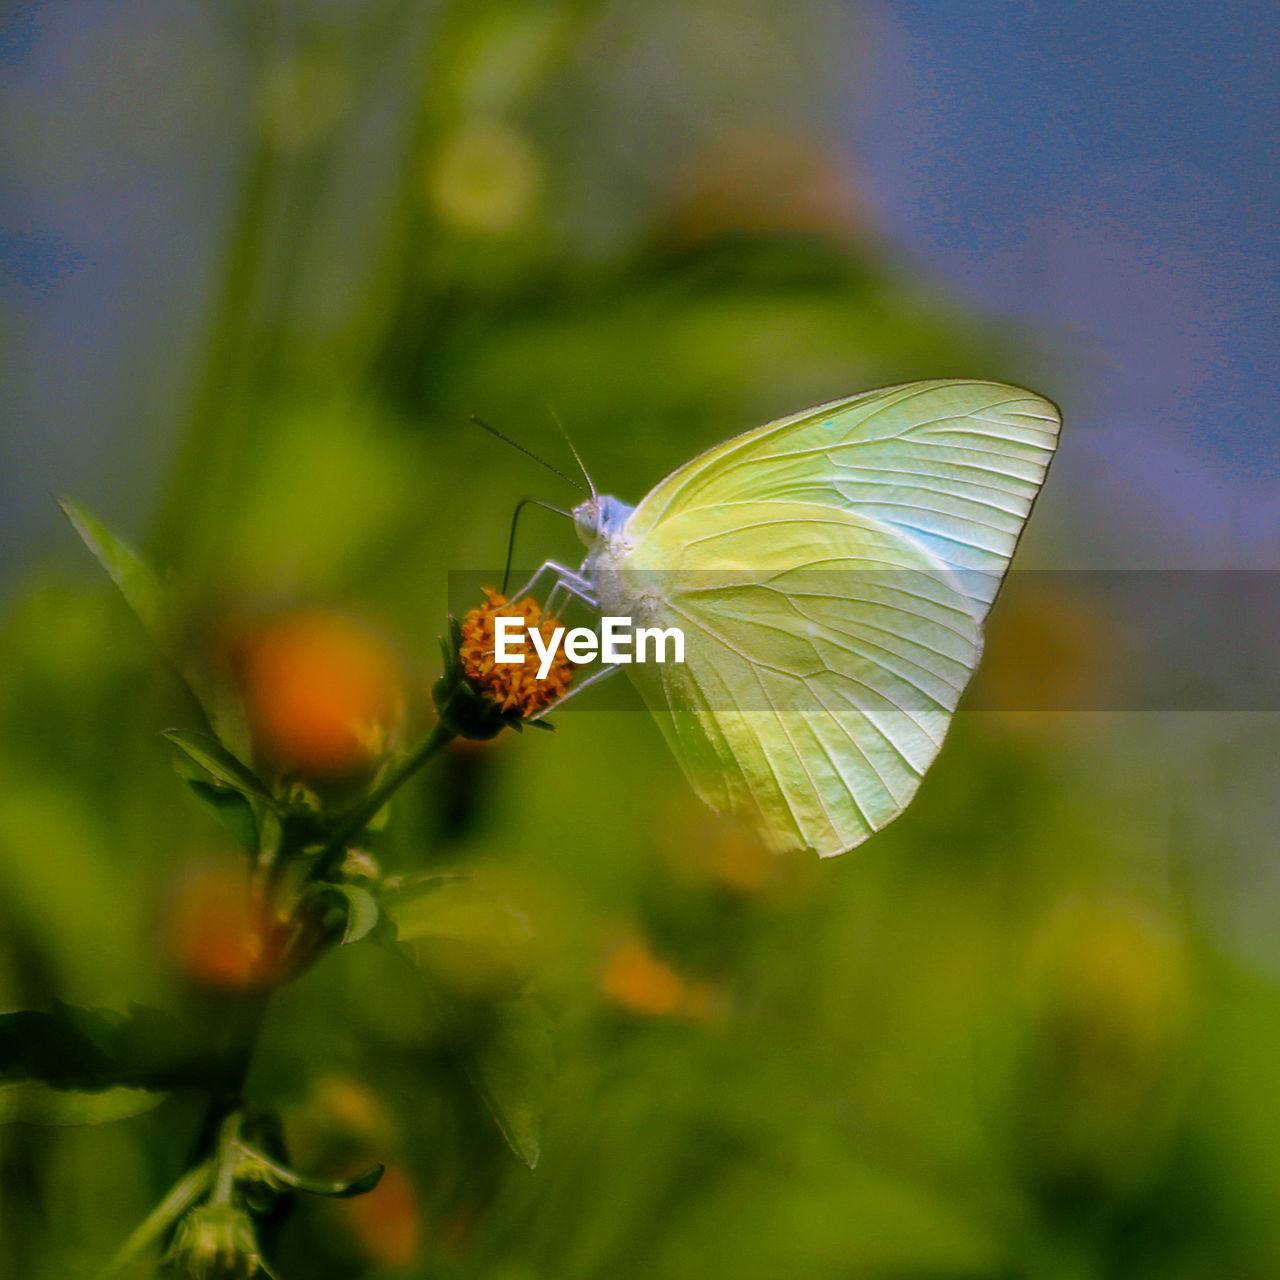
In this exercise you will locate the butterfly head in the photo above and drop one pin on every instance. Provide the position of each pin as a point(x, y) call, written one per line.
point(600, 517)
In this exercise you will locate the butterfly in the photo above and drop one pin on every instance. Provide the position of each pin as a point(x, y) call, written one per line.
point(831, 573)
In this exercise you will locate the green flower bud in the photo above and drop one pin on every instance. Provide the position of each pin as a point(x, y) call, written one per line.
point(216, 1242)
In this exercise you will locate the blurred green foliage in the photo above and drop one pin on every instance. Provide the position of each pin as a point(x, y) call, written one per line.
point(1000, 1041)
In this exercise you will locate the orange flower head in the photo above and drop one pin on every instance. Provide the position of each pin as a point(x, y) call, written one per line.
point(513, 686)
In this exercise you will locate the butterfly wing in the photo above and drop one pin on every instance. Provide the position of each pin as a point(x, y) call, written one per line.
point(831, 573)
point(824, 655)
point(952, 464)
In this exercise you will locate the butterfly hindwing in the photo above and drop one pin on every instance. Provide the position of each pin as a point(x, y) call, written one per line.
point(824, 655)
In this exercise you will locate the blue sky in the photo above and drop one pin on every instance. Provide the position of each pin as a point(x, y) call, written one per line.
point(1108, 172)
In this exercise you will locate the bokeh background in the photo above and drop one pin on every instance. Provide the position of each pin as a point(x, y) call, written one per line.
point(262, 261)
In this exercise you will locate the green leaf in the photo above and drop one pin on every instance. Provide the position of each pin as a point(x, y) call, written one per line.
point(219, 763)
point(142, 591)
point(359, 906)
point(456, 910)
point(362, 912)
point(32, 1102)
point(257, 1164)
point(511, 1068)
point(230, 807)
point(70, 1050)
point(355, 1187)
point(472, 942)
point(134, 579)
point(466, 942)
point(362, 915)
point(508, 1060)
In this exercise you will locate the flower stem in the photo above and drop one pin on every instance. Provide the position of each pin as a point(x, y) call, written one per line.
point(355, 822)
point(226, 1158)
point(193, 1184)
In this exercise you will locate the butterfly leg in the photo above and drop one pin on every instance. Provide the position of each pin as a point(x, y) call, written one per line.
point(569, 581)
point(561, 593)
point(523, 591)
point(554, 602)
point(601, 673)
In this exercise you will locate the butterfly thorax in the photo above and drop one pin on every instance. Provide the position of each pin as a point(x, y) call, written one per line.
point(601, 523)
point(620, 590)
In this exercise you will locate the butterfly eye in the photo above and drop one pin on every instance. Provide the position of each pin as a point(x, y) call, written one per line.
point(586, 520)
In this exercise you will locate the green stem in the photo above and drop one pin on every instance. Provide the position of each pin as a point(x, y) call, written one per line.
point(189, 1188)
point(331, 855)
point(227, 1158)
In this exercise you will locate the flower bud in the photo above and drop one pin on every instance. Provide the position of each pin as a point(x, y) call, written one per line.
point(216, 1242)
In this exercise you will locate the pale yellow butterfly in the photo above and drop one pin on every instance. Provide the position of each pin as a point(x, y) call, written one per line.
point(831, 573)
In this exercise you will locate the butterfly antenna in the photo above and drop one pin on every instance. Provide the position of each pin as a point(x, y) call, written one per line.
point(574, 449)
point(511, 537)
point(515, 444)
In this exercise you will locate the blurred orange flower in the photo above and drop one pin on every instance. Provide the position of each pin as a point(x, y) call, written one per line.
point(322, 694)
point(216, 929)
point(387, 1221)
point(633, 977)
point(699, 846)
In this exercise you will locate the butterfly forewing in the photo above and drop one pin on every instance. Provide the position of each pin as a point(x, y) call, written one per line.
point(954, 465)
